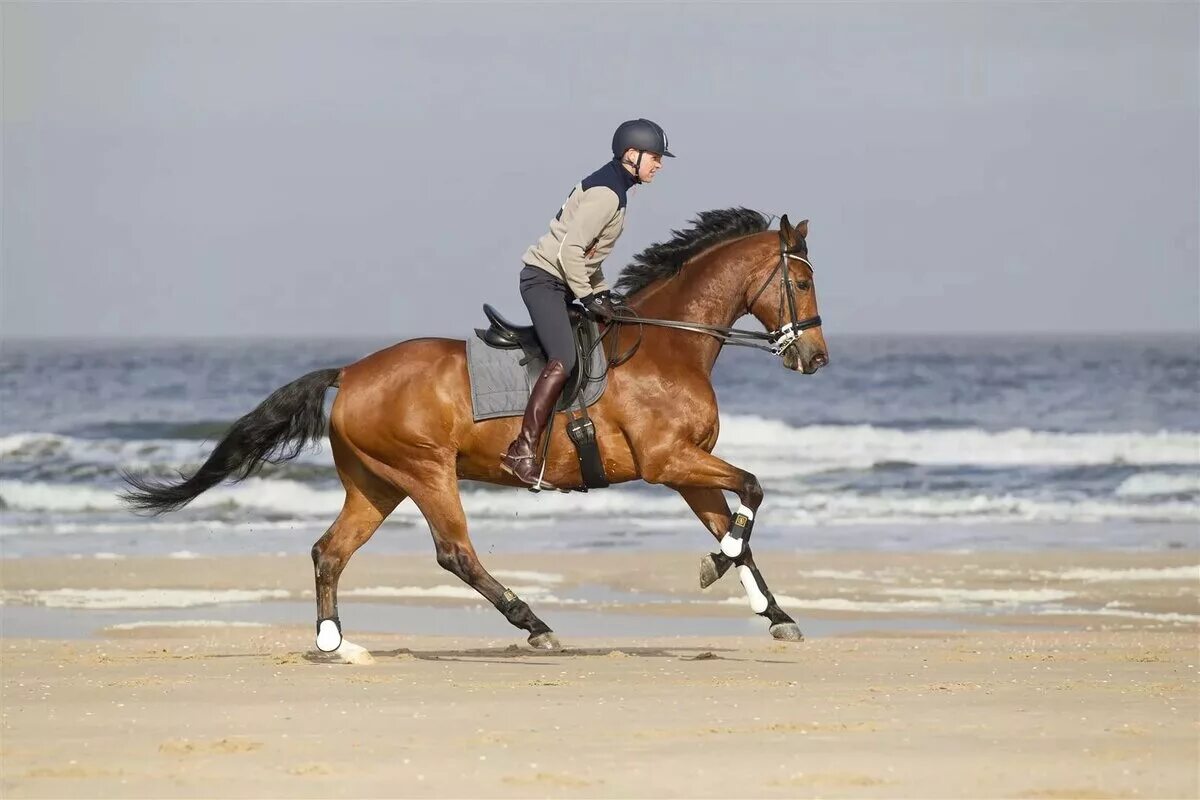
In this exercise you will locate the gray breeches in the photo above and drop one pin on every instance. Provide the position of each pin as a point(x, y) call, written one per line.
point(547, 299)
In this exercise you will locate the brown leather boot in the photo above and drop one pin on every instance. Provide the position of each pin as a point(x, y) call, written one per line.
point(521, 458)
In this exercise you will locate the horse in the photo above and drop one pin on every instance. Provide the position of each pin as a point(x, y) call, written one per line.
point(401, 424)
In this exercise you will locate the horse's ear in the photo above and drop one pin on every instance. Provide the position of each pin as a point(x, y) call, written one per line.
point(786, 230)
point(802, 229)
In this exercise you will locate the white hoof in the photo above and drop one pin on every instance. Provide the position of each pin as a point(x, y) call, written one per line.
point(329, 638)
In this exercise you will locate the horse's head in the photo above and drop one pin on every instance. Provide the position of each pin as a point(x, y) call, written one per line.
point(781, 295)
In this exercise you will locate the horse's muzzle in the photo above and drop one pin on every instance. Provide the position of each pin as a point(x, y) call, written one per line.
point(806, 363)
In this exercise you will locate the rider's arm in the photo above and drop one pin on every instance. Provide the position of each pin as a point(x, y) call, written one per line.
point(596, 209)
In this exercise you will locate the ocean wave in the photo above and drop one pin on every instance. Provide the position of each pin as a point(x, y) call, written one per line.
point(770, 448)
point(74, 457)
point(137, 598)
point(294, 500)
point(1159, 484)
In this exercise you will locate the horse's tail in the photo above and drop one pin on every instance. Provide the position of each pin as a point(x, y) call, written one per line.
point(278, 430)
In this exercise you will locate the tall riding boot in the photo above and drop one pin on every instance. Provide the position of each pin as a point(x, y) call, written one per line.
point(521, 458)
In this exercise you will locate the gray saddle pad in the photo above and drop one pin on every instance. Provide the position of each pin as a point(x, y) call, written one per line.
point(500, 385)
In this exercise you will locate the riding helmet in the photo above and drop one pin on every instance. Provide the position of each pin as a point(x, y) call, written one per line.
point(640, 134)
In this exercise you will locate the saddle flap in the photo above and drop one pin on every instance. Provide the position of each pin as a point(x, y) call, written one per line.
point(501, 340)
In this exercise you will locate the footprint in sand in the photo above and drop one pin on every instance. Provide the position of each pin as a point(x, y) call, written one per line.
point(547, 779)
point(311, 769)
point(187, 747)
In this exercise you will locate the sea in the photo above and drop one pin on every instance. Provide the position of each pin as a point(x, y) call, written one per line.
point(902, 443)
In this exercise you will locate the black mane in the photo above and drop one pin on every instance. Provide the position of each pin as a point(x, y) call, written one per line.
point(666, 259)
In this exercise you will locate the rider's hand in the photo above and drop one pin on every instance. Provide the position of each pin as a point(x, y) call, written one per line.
point(599, 306)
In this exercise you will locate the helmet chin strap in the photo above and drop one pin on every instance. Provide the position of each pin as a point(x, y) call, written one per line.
point(637, 166)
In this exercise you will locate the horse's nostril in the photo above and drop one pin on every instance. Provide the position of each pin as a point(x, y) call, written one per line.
point(820, 360)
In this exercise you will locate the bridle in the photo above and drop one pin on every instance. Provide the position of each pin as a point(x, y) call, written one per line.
point(777, 341)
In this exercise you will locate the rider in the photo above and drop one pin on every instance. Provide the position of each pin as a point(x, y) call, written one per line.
point(564, 265)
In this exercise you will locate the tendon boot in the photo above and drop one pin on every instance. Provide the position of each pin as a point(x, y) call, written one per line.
point(521, 458)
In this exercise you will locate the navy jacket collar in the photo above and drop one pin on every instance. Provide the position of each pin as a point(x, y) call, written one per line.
point(627, 180)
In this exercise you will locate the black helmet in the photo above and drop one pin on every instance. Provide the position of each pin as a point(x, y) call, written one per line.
point(640, 134)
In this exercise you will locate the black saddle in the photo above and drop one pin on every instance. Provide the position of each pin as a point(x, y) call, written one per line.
point(504, 335)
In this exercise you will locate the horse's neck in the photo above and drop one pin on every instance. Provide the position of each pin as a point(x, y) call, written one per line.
point(709, 291)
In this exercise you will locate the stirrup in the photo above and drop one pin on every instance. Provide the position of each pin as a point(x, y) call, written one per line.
point(534, 487)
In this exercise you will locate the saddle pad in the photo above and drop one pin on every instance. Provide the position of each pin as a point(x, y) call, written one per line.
point(500, 385)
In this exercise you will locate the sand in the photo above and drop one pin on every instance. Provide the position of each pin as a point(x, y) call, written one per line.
point(1043, 675)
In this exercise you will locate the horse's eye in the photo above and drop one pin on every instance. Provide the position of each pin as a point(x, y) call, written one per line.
point(803, 286)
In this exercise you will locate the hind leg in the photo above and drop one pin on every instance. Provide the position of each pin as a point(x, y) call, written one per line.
point(368, 503)
point(439, 501)
point(710, 507)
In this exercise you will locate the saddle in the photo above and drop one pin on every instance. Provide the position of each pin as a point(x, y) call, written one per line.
point(581, 389)
point(505, 335)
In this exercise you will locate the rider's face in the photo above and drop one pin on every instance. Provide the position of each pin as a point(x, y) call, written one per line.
point(651, 163)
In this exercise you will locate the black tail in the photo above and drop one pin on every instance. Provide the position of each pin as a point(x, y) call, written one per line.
point(279, 429)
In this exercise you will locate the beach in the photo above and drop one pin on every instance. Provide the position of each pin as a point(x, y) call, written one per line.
point(991, 546)
point(1040, 674)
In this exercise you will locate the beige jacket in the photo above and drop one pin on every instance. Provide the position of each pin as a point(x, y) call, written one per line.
point(584, 231)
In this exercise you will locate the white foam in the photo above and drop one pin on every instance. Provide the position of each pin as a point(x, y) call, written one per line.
point(1169, 616)
point(280, 496)
point(527, 575)
point(836, 574)
point(483, 507)
point(823, 508)
point(107, 556)
point(183, 554)
point(1158, 484)
point(136, 598)
point(1094, 575)
point(421, 592)
point(184, 623)
point(135, 454)
point(765, 446)
point(995, 597)
point(772, 448)
point(538, 594)
point(845, 604)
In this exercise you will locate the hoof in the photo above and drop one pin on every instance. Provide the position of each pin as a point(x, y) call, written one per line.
point(329, 635)
point(787, 632)
point(711, 569)
point(544, 641)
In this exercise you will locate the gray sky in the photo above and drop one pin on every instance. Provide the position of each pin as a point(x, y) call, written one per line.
point(378, 169)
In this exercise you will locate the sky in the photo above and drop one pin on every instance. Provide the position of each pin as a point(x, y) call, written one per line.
point(378, 169)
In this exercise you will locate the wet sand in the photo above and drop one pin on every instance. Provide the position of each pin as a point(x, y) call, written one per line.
point(1044, 675)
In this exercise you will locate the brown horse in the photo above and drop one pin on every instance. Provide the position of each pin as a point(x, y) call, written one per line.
point(401, 425)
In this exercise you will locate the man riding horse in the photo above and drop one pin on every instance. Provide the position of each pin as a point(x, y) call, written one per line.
point(564, 265)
